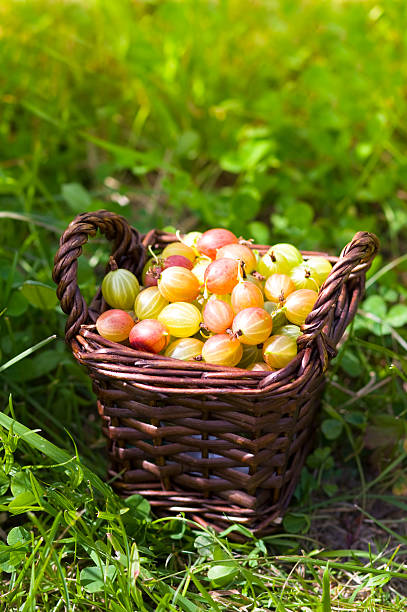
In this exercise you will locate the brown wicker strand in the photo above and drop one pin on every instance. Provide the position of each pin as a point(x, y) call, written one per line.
point(127, 251)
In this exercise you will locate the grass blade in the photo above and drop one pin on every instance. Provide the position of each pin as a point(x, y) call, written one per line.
point(26, 353)
point(326, 591)
point(50, 450)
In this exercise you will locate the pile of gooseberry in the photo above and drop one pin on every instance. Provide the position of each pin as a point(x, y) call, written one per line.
point(209, 297)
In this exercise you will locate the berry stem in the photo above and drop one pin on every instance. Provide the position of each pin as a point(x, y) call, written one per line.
point(270, 253)
point(178, 235)
point(156, 271)
point(240, 270)
point(235, 335)
point(259, 276)
point(153, 255)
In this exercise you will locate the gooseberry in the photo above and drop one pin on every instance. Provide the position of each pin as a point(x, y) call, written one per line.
point(270, 307)
point(114, 325)
point(303, 277)
point(214, 239)
point(151, 272)
point(178, 284)
point(149, 303)
point(185, 348)
point(259, 366)
point(225, 297)
point(293, 331)
point(299, 304)
point(217, 316)
point(240, 252)
point(222, 275)
point(222, 349)
point(279, 350)
point(246, 295)
point(177, 260)
point(256, 279)
point(120, 288)
point(320, 268)
point(199, 269)
point(279, 318)
point(149, 335)
point(279, 259)
point(191, 240)
point(251, 354)
point(181, 318)
point(276, 312)
point(278, 287)
point(179, 248)
point(252, 325)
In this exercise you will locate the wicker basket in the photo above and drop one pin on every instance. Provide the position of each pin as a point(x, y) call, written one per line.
point(220, 444)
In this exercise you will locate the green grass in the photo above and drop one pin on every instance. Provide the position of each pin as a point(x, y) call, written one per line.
point(280, 120)
point(82, 547)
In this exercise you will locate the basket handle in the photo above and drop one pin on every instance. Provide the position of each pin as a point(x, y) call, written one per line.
point(354, 261)
point(127, 250)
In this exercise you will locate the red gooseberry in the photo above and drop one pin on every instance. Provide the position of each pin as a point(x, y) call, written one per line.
point(217, 316)
point(149, 335)
point(239, 252)
point(214, 239)
point(222, 275)
point(114, 325)
point(177, 260)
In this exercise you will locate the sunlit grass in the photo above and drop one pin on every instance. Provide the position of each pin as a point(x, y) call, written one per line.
point(282, 121)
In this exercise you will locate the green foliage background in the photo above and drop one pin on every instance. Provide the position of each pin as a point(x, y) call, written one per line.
point(281, 120)
point(290, 114)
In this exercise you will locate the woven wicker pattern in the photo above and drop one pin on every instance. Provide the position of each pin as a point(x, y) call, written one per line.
point(221, 444)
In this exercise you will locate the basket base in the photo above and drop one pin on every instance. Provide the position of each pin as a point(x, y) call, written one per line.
point(214, 463)
point(216, 512)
